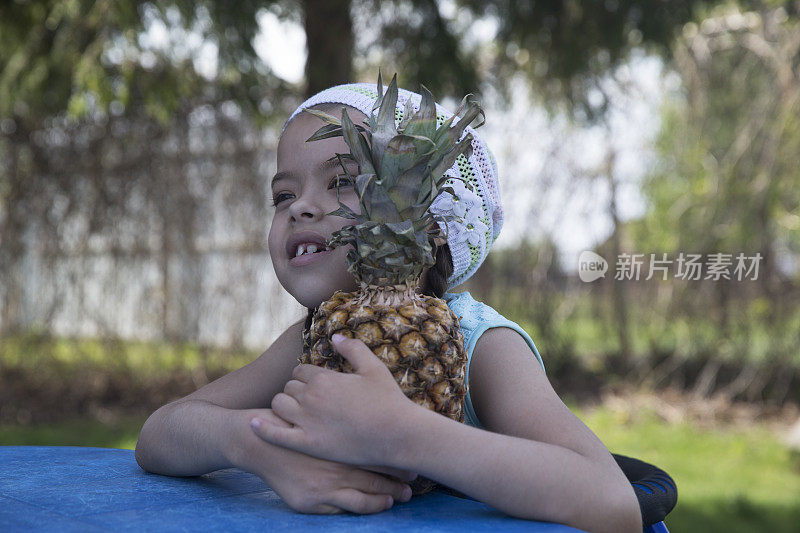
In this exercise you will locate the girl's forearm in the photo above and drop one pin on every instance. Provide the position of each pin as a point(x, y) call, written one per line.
point(189, 438)
point(522, 478)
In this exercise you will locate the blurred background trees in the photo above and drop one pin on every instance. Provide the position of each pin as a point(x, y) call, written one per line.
point(137, 138)
point(726, 180)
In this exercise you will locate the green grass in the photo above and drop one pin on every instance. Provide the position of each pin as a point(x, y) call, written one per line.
point(579, 324)
point(57, 355)
point(729, 479)
point(121, 433)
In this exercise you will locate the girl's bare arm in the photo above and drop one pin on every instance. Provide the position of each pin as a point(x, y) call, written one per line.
point(209, 430)
point(536, 459)
point(215, 437)
point(195, 435)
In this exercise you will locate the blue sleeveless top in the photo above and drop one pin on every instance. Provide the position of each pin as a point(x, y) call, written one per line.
point(475, 317)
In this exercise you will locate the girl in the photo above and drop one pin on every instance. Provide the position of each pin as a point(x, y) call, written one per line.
point(333, 442)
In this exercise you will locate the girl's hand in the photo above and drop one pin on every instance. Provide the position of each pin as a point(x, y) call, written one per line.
point(311, 485)
point(350, 418)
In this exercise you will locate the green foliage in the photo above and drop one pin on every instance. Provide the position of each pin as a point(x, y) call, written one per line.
point(726, 178)
point(578, 326)
point(565, 47)
point(422, 45)
point(64, 358)
point(674, 327)
point(89, 58)
point(117, 433)
point(726, 181)
point(45, 379)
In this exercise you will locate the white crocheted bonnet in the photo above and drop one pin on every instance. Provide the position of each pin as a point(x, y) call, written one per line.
point(480, 210)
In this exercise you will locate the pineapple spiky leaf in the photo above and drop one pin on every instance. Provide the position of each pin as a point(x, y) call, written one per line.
point(330, 119)
point(325, 132)
point(332, 129)
point(362, 183)
point(401, 153)
point(382, 126)
point(408, 111)
point(359, 148)
point(423, 123)
point(464, 147)
point(379, 100)
point(383, 209)
point(345, 212)
point(413, 180)
point(343, 158)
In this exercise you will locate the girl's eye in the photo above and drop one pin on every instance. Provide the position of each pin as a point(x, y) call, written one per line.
point(280, 197)
point(341, 180)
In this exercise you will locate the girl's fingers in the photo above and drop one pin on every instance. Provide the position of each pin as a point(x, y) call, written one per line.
point(373, 483)
point(286, 407)
point(359, 502)
point(278, 433)
point(305, 372)
point(294, 388)
point(356, 352)
point(270, 416)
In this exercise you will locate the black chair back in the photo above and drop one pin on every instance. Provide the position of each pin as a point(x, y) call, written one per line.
point(654, 488)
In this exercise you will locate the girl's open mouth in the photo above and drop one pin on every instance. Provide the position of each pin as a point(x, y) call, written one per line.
point(308, 258)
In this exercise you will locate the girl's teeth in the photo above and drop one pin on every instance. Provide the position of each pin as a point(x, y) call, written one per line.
point(308, 249)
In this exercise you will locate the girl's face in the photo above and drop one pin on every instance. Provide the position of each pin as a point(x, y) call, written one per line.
point(303, 191)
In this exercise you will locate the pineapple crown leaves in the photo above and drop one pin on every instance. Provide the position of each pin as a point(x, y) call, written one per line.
point(385, 253)
point(401, 172)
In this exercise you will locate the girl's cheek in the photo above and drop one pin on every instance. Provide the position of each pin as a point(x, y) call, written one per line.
point(351, 201)
point(272, 234)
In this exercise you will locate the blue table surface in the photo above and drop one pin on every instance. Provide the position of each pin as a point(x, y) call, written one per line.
point(98, 489)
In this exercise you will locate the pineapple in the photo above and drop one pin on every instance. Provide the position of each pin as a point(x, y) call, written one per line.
point(401, 172)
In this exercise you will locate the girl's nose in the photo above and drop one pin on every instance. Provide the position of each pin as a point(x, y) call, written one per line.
point(306, 207)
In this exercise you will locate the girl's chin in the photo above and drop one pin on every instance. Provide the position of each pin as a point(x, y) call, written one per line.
point(312, 298)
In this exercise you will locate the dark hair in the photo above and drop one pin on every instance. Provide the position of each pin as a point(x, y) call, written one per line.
point(434, 284)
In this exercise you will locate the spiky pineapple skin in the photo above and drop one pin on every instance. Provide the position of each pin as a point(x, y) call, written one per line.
point(419, 341)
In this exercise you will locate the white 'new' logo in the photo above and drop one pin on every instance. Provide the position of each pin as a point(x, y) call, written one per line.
point(591, 266)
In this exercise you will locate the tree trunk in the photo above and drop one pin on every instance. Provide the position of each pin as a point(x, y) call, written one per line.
point(329, 38)
point(11, 246)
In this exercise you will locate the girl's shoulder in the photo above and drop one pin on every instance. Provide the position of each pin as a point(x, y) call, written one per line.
point(475, 317)
point(471, 312)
